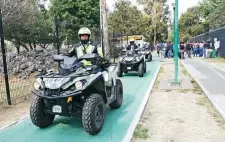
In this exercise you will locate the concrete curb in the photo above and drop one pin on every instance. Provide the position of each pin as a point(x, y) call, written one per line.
point(131, 129)
point(219, 110)
point(14, 123)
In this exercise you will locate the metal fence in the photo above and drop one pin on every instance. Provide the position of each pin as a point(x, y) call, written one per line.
point(216, 38)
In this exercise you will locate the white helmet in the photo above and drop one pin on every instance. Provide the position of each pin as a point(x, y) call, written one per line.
point(84, 30)
point(132, 39)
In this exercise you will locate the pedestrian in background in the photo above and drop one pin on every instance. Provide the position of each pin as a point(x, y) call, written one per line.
point(201, 48)
point(195, 49)
point(188, 49)
point(181, 51)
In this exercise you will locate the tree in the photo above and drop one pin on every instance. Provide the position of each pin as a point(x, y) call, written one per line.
point(158, 11)
point(212, 13)
point(217, 17)
point(125, 18)
point(73, 15)
point(19, 18)
point(190, 24)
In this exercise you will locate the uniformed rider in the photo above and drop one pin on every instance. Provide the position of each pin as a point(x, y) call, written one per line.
point(85, 46)
point(132, 45)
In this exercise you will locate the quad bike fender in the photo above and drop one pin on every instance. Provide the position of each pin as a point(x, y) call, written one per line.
point(110, 76)
point(99, 85)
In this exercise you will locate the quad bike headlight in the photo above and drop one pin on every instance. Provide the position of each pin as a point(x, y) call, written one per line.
point(137, 58)
point(79, 85)
point(37, 85)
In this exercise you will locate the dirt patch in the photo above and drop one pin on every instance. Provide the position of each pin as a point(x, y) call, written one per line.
point(179, 115)
point(13, 113)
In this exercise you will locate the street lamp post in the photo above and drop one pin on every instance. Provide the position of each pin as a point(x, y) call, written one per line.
point(175, 7)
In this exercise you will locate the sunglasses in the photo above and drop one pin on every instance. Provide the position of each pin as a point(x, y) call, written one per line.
point(84, 37)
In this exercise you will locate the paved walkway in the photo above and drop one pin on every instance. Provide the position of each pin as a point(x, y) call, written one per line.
point(118, 123)
point(210, 79)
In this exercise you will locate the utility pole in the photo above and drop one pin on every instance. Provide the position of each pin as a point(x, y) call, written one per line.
point(103, 15)
point(176, 30)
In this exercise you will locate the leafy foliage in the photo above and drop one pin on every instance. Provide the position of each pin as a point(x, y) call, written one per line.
point(28, 23)
point(75, 14)
point(209, 14)
point(190, 24)
point(127, 19)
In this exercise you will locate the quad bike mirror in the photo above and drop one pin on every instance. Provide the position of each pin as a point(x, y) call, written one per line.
point(40, 72)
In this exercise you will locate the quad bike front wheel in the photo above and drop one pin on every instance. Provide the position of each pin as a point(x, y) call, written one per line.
point(141, 69)
point(119, 95)
point(93, 114)
point(38, 116)
point(119, 71)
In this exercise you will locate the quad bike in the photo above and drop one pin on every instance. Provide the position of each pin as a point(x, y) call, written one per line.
point(131, 61)
point(147, 54)
point(77, 90)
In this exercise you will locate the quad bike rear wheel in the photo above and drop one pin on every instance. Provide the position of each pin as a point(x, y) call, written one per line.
point(150, 57)
point(119, 95)
point(38, 116)
point(145, 67)
point(93, 114)
point(119, 71)
point(141, 69)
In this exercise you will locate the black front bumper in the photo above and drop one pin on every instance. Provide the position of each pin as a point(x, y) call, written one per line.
point(133, 66)
point(61, 96)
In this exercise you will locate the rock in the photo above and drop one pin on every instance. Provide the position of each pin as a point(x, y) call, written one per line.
point(28, 62)
point(31, 69)
point(23, 66)
point(24, 60)
point(16, 70)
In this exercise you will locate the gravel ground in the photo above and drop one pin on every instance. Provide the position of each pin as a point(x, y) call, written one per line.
point(179, 115)
point(14, 113)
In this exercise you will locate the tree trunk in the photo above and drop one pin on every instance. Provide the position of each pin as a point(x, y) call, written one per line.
point(18, 49)
point(25, 46)
point(30, 44)
point(34, 43)
point(155, 36)
point(105, 28)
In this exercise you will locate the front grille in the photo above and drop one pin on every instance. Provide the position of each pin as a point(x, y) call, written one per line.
point(52, 92)
point(128, 62)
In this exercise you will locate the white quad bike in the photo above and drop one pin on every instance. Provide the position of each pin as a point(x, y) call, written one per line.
point(77, 90)
point(147, 54)
point(131, 61)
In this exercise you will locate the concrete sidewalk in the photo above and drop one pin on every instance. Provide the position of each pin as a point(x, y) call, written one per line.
point(210, 79)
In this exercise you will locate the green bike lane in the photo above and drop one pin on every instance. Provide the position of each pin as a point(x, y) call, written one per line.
point(116, 125)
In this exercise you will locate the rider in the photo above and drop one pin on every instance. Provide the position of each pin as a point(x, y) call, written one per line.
point(132, 45)
point(85, 46)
